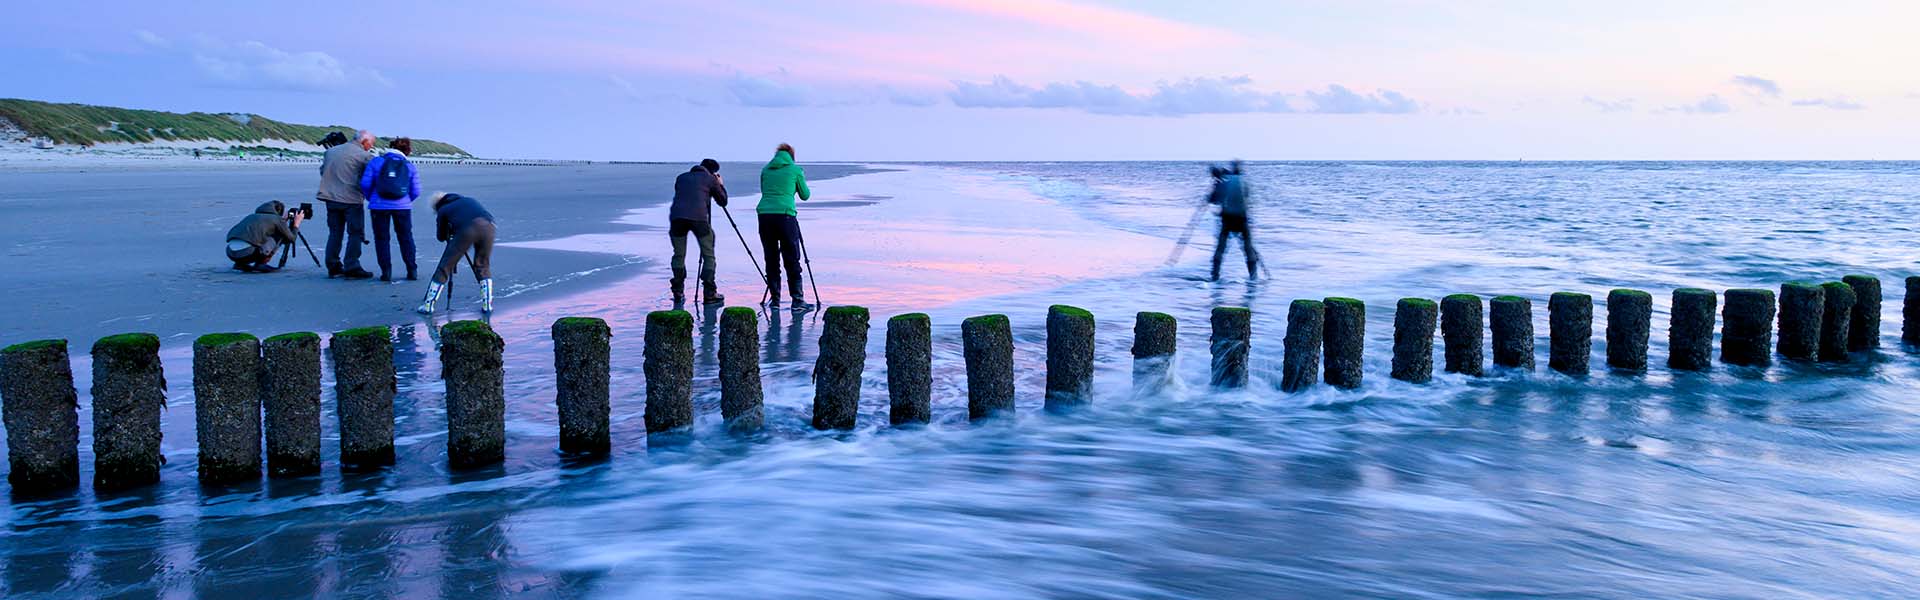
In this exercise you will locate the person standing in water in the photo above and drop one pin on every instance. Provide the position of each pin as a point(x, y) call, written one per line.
point(780, 181)
point(462, 223)
point(1230, 193)
point(691, 213)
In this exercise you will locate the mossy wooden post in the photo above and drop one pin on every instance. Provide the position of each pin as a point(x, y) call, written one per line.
point(226, 406)
point(1746, 340)
point(1069, 357)
point(1231, 341)
point(1863, 326)
point(1345, 340)
point(582, 357)
point(1155, 341)
point(1836, 320)
point(470, 361)
point(41, 409)
point(837, 370)
point(1629, 324)
point(363, 387)
point(740, 392)
point(292, 403)
point(1801, 308)
point(668, 365)
point(1690, 336)
point(909, 369)
point(1462, 330)
point(987, 341)
point(1306, 331)
point(129, 391)
point(1569, 332)
point(1413, 323)
point(1510, 318)
point(1910, 313)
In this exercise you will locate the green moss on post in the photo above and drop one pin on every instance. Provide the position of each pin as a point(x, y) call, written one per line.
point(1690, 337)
point(1836, 321)
point(226, 406)
point(1802, 305)
point(582, 356)
point(669, 369)
point(1863, 324)
point(1570, 332)
point(1155, 341)
point(364, 383)
point(292, 403)
point(909, 369)
point(1747, 338)
point(41, 410)
point(471, 363)
point(838, 368)
point(988, 345)
point(1463, 328)
point(1414, 320)
point(1629, 325)
point(1511, 320)
point(129, 391)
point(1070, 333)
point(1346, 335)
point(741, 395)
point(1232, 343)
point(1306, 331)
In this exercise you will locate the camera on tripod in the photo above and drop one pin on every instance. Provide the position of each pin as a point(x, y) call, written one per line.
point(305, 211)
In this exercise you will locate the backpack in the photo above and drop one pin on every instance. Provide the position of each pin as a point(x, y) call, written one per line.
point(395, 179)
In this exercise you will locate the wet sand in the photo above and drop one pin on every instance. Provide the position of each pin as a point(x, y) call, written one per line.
point(92, 251)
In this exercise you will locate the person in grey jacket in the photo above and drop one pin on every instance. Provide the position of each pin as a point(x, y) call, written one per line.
point(691, 213)
point(254, 240)
point(340, 170)
point(1230, 192)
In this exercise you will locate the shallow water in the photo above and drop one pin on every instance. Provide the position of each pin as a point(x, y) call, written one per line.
point(1796, 481)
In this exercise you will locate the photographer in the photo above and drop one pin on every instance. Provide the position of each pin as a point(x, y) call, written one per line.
point(255, 239)
point(463, 224)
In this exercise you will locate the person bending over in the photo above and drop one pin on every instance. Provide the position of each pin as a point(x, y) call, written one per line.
point(780, 182)
point(254, 240)
point(691, 213)
point(340, 170)
point(462, 223)
point(391, 184)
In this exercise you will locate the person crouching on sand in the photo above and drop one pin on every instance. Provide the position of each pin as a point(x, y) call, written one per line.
point(462, 223)
point(691, 213)
point(254, 240)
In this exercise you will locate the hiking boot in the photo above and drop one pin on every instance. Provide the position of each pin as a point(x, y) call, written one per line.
point(413, 274)
point(386, 276)
point(357, 274)
point(333, 272)
point(800, 305)
point(712, 296)
point(433, 298)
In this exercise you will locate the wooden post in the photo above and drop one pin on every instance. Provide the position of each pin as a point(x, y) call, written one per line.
point(42, 413)
point(1629, 324)
point(837, 370)
point(1511, 319)
point(741, 394)
point(470, 359)
point(292, 403)
point(364, 386)
point(129, 391)
point(988, 345)
point(1463, 329)
point(1306, 335)
point(909, 369)
point(226, 406)
point(1069, 357)
point(1232, 336)
point(669, 370)
point(1413, 324)
point(582, 353)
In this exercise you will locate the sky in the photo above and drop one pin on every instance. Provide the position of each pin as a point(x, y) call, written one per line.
point(853, 80)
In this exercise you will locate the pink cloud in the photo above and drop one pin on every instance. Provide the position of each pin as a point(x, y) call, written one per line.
point(1093, 20)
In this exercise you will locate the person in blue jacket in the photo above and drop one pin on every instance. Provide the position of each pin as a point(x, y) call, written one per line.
point(391, 184)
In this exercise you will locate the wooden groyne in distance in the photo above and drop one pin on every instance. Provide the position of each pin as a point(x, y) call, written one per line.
point(236, 376)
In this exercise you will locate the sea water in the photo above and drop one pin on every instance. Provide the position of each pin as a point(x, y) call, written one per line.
point(1793, 481)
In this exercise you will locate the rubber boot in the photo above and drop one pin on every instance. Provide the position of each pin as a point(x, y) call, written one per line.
point(486, 295)
point(432, 300)
point(413, 273)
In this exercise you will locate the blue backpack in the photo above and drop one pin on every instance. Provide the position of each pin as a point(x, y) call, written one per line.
point(395, 179)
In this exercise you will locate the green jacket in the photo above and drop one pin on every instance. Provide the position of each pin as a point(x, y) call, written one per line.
point(779, 181)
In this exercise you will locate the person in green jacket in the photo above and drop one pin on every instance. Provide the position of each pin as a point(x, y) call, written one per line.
point(780, 181)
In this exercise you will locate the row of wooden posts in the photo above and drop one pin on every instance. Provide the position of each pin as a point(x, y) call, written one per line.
point(239, 379)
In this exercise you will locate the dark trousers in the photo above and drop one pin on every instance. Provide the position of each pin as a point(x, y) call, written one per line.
point(1231, 224)
point(402, 223)
point(703, 234)
point(348, 221)
point(780, 243)
point(477, 235)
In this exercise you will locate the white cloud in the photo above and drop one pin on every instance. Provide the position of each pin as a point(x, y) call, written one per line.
point(1710, 105)
point(1757, 86)
point(255, 65)
point(1191, 96)
point(1609, 106)
point(1834, 103)
point(152, 39)
point(768, 92)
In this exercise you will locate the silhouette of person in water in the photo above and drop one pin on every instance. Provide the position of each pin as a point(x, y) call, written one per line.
point(1230, 193)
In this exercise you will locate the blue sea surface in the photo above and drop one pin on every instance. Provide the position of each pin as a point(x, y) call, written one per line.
point(1795, 481)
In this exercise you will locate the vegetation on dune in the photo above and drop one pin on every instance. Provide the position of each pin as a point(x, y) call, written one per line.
point(86, 125)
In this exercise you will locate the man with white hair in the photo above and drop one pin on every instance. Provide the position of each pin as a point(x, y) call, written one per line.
point(340, 171)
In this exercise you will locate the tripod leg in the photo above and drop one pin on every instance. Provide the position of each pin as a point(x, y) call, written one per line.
point(809, 260)
point(303, 242)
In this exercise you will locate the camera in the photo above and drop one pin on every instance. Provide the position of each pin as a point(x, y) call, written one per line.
point(305, 211)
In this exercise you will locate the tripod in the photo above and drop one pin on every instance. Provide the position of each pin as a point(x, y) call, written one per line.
point(292, 250)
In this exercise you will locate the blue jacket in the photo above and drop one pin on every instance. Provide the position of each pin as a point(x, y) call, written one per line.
point(1230, 192)
point(374, 201)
